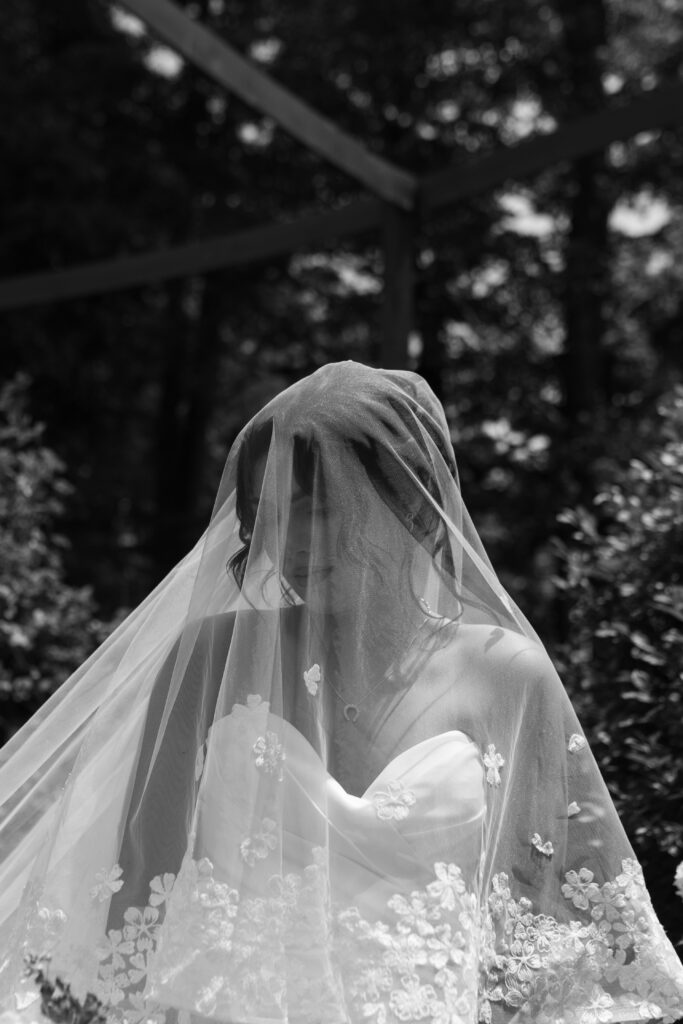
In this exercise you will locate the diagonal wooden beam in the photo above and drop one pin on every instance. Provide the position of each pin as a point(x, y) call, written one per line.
point(252, 245)
point(593, 132)
point(587, 134)
point(217, 59)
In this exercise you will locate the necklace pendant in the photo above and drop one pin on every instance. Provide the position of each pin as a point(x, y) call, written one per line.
point(350, 712)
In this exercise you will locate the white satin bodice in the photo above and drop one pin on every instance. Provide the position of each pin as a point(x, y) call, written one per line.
point(300, 903)
point(297, 890)
point(428, 804)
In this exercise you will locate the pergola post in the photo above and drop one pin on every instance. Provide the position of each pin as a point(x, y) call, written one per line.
point(398, 300)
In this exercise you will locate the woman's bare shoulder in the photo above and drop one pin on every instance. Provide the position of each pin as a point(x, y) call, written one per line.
point(496, 652)
point(470, 674)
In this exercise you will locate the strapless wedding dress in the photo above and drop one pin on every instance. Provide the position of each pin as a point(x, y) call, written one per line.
point(368, 910)
point(299, 902)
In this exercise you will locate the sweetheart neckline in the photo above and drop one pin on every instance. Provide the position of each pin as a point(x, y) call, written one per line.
point(440, 736)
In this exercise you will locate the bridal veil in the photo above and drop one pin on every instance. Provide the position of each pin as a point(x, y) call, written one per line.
point(326, 773)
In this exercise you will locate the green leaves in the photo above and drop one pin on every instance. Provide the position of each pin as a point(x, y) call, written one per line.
point(57, 1003)
point(47, 626)
point(622, 578)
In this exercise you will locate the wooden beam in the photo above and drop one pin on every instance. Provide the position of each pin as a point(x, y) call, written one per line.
point(253, 245)
point(398, 231)
point(217, 59)
point(466, 178)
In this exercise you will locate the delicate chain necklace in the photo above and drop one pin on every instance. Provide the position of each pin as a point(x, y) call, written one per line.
point(351, 709)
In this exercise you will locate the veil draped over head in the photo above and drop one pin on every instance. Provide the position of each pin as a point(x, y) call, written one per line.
point(326, 772)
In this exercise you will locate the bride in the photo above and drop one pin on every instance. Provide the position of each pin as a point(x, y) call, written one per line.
point(326, 772)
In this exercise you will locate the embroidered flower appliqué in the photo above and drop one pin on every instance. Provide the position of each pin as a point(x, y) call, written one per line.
point(108, 882)
point(431, 955)
point(576, 743)
point(116, 948)
point(161, 887)
point(258, 846)
point(413, 1001)
point(493, 762)
point(580, 888)
point(141, 927)
point(269, 755)
point(545, 848)
point(393, 803)
point(556, 970)
point(449, 885)
point(312, 677)
point(50, 923)
point(599, 1006)
point(255, 702)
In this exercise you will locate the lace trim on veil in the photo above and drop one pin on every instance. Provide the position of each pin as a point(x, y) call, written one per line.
point(435, 956)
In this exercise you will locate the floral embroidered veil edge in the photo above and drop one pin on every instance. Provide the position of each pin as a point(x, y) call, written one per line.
point(326, 771)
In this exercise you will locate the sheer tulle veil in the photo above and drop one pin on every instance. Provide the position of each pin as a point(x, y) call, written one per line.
point(326, 771)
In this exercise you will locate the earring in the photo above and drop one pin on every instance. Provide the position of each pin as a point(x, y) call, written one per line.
point(430, 613)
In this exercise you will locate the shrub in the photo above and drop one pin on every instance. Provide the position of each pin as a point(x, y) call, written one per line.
point(622, 579)
point(47, 626)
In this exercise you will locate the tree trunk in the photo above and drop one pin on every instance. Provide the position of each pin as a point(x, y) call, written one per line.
point(201, 400)
point(192, 361)
point(398, 311)
point(169, 484)
point(587, 264)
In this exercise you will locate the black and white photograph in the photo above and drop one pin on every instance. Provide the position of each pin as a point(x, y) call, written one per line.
point(341, 512)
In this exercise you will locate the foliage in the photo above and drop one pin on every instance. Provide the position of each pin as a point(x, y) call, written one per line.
point(622, 580)
point(47, 626)
point(57, 1002)
point(106, 155)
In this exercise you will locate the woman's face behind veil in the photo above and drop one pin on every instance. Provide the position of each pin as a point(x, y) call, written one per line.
point(326, 530)
point(313, 560)
point(333, 494)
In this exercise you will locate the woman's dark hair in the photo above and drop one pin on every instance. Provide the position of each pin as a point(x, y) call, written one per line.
point(254, 446)
point(416, 441)
point(385, 466)
point(385, 470)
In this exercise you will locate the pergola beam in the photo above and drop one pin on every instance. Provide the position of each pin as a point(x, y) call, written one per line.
point(463, 180)
point(217, 59)
point(253, 245)
point(587, 134)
